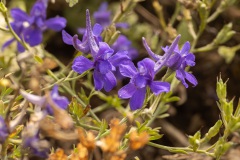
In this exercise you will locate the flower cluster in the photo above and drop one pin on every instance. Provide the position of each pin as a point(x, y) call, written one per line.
point(31, 27)
point(107, 61)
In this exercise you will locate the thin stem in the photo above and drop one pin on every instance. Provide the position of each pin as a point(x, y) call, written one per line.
point(175, 14)
point(4, 29)
point(66, 88)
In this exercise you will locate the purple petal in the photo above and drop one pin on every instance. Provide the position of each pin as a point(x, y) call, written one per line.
point(61, 101)
point(128, 70)
point(119, 58)
point(33, 36)
point(19, 15)
point(20, 48)
point(185, 49)
point(39, 9)
point(37, 100)
point(109, 81)
point(56, 24)
point(104, 51)
point(136, 101)
point(150, 52)
point(169, 51)
point(122, 25)
point(97, 29)
point(98, 80)
point(67, 38)
point(159, 87)
point(127, 91)
point(175, 61)
point(190, 58)
point(180, 75)
point(191, 79)
point(139, 81)
point(146, 67)
point(91, 41)
point(6, 44)
point(81, 64)
point(105, 67)
point(80, 46)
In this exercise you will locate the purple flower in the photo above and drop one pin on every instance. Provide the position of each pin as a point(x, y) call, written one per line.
point(140, 79)
point(177, 60)
point(103, 17)
point(104, 63)
point(31, 27)
point(61, 101)
point(31, 140)
point(3, 130)
point(123, 44)
point(90, 40)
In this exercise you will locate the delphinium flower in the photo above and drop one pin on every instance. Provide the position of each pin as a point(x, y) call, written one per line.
point(3, 130)
point(103, 17)
point(30, 27)
point(176, 59)
point(31, 140)
point(104, 62)
point(41, 101)
point(84, 45)
point(124, 44)
point(141, 78)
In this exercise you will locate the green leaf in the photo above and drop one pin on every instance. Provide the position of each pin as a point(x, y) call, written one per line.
point(72, 2)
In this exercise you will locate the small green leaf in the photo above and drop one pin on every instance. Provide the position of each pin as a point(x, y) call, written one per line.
point(72, 2)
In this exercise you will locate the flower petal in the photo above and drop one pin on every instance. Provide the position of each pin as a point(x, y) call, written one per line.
point(91, 41)
point(104, 51)
point(109, 81)
point(6, 44)
point(37, 100)
point(80, 46)
point(128, 70)
point(19, 15)
point(180, 75)
point(150, 52)
point(185, 49)
point(81, 64)
point(159, 87)
point(67, 38)
point(20, 47)
point(136, 101)
point(119, 58)
point(56, 24)
point(105, 67)
point(33, 36)
point(146, 67)
point(191, 79)
point(175, 61)
point(127, 91)
point(98, 80)
point(97, 29)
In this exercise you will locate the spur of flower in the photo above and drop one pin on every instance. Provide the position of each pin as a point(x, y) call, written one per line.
point(90, 37)
point(30, 27)
point(41, 101)
point(176, 59)
point(141, 78)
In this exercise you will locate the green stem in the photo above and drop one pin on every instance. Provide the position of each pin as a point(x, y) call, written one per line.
point(66, 88)
point(178, 149)
point(4, 29)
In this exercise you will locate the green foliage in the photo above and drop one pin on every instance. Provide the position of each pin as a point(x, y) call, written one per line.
point(72, 2)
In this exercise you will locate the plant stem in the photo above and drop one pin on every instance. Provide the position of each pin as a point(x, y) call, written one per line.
point(66, 88)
